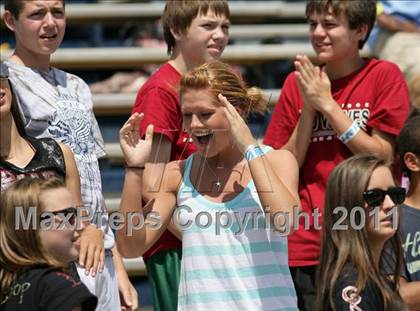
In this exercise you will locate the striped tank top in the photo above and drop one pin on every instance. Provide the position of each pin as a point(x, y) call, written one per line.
point(231, 260)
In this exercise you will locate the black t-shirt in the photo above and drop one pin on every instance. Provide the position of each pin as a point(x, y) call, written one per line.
point(345, 294)
point(410, 235)
point(47, 161)
point(47, 289)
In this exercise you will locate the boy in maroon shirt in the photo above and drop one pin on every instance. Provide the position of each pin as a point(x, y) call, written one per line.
point(196, 32)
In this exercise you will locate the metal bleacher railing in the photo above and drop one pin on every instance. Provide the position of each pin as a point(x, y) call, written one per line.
point(240, 10)
point(131, 57)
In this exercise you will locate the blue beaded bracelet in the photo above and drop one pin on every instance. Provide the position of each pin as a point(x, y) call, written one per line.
point(253, 151)
point(349, 133)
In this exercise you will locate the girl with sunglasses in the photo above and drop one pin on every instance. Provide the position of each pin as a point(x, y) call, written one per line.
point(33, 258)
point(360, 217)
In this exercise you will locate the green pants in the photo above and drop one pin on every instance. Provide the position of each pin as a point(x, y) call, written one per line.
point(163, 272)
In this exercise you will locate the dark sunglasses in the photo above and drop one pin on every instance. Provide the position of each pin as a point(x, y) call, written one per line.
point(375, 197)
point(68, 214)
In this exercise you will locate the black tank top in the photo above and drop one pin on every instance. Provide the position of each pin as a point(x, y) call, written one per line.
point(48, 161)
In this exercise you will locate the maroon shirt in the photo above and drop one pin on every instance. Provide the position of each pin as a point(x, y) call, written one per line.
point(158, 99)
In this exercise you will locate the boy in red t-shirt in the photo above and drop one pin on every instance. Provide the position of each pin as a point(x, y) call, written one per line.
point(325, 114)
point(196, 32)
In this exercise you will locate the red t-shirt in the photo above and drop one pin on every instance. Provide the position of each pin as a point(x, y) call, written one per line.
point(159, 101)
point(376, 97)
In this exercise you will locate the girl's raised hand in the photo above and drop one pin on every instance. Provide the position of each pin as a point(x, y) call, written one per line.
point(239, 130)
point(136, 151)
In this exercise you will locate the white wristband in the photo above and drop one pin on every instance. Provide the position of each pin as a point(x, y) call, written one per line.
point(253, 151)
point(349, 133)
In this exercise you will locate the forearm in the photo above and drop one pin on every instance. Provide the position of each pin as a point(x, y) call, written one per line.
point(72, 179)
point(395, 24)
point(361, 142)
point(152, 228)
point(275, 197)
point(136, 237)
point(410, 294)
point(129, 241)
point(301, 137)
point(118, 262)
point(152, 180)
point(154, 172)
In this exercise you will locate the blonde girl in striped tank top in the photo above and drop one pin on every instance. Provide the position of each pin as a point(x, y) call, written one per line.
point(232, 202)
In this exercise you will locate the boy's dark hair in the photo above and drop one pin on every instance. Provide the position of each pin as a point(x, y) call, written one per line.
point(409, 140)
point(357, 12)
point(178, 15)
point(414, 113)
point(16, 6)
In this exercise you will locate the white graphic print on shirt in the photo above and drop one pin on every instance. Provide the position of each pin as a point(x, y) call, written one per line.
point(322, 129)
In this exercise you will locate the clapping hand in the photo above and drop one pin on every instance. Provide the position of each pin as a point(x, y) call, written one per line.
point(314, 84)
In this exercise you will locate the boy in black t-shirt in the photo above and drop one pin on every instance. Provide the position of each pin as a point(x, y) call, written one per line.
point(408, 146)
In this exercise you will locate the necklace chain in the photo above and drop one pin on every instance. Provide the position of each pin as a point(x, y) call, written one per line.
point(217, 183)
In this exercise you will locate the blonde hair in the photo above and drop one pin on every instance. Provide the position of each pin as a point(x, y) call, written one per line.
point(21, 247)
point(220, 78)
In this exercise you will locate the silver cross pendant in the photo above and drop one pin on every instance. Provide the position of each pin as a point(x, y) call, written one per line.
point(218, 185)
